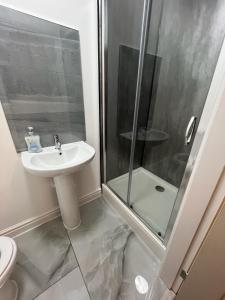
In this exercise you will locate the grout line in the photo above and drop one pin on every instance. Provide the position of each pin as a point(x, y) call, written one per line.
point(77, 261)
point(78, 265)
point(54, 283)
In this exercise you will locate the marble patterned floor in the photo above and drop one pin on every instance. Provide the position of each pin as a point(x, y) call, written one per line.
point(101, 260)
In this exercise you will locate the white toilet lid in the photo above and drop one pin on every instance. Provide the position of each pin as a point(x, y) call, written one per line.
point(6, 252)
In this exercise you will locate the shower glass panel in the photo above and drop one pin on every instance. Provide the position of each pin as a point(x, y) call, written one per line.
point(180, 59)
point(123, 31)
point(148, 145)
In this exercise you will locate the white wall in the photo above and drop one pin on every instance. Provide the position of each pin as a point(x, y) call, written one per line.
point(23, 196)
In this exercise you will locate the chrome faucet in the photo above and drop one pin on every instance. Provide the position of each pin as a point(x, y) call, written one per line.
point(58, 144)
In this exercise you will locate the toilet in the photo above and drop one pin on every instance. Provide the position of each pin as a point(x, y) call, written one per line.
point(8, 251)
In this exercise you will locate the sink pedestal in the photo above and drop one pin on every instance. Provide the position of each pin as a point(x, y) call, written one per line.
point(68, 200)
point(48, 163)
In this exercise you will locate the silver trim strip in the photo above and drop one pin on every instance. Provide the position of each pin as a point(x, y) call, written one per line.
point(103, 52)
point(143, 45)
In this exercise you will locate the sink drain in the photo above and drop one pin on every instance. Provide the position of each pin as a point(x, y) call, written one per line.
point(159, 188)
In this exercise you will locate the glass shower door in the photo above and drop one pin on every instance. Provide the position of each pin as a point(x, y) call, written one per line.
point(123, 31)
point(179, 62)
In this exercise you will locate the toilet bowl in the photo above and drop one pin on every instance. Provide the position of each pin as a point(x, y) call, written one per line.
point(8, 250)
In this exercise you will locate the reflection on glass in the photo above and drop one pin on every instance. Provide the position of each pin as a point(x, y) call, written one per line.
point(180, 59)
point(124, 31)
point(178, 80)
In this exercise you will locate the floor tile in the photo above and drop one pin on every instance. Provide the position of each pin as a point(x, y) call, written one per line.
point(44, 256)
point(115, 264)
point(110, 255)
point(99, 244)
point(70, 287)
point(139, 262)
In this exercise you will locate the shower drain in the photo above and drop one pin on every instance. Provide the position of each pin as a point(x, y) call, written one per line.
point(159, 188)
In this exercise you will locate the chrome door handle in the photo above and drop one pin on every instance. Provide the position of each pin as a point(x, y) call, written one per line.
point(190, 130)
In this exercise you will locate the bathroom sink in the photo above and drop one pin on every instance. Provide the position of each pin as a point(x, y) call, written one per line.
point(49, 162)
point(60, 164)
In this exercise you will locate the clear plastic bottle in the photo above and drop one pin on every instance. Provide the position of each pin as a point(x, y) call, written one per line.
point(32, 141)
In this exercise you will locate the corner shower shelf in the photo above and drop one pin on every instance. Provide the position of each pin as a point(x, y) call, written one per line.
point(153, 136)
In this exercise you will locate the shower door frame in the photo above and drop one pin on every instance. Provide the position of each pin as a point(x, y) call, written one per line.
point(103, 68)
point(177, 244)
point(103, 55)
point(206, 172)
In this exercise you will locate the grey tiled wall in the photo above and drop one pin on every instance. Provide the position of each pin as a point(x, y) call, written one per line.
point(40, 78)
point(127, 77)
point(187, 37)
point(191, 36)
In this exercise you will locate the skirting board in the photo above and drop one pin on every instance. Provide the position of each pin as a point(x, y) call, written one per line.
point(34, 222)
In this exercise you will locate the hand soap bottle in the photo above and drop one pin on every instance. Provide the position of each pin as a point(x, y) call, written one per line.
point(33, 141)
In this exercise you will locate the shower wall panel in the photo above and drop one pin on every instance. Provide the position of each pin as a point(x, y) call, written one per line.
point(40, 78)
point(191, 34)
point(128, 64)
point(124, 31)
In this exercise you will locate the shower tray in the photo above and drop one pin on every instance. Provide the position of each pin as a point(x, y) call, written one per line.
point(152, 198)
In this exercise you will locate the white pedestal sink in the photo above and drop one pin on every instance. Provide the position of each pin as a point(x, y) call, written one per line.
point(49, 163)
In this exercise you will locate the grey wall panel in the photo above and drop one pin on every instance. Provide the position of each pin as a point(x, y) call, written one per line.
point(190, 38)
point(40, 78)
point(124, 28)
point(127, 77)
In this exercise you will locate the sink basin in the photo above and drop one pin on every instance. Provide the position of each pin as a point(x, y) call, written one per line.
point(49, 163)
point(60, 166)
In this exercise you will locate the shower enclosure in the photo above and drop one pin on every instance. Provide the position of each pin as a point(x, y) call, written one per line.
point(158, 60)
